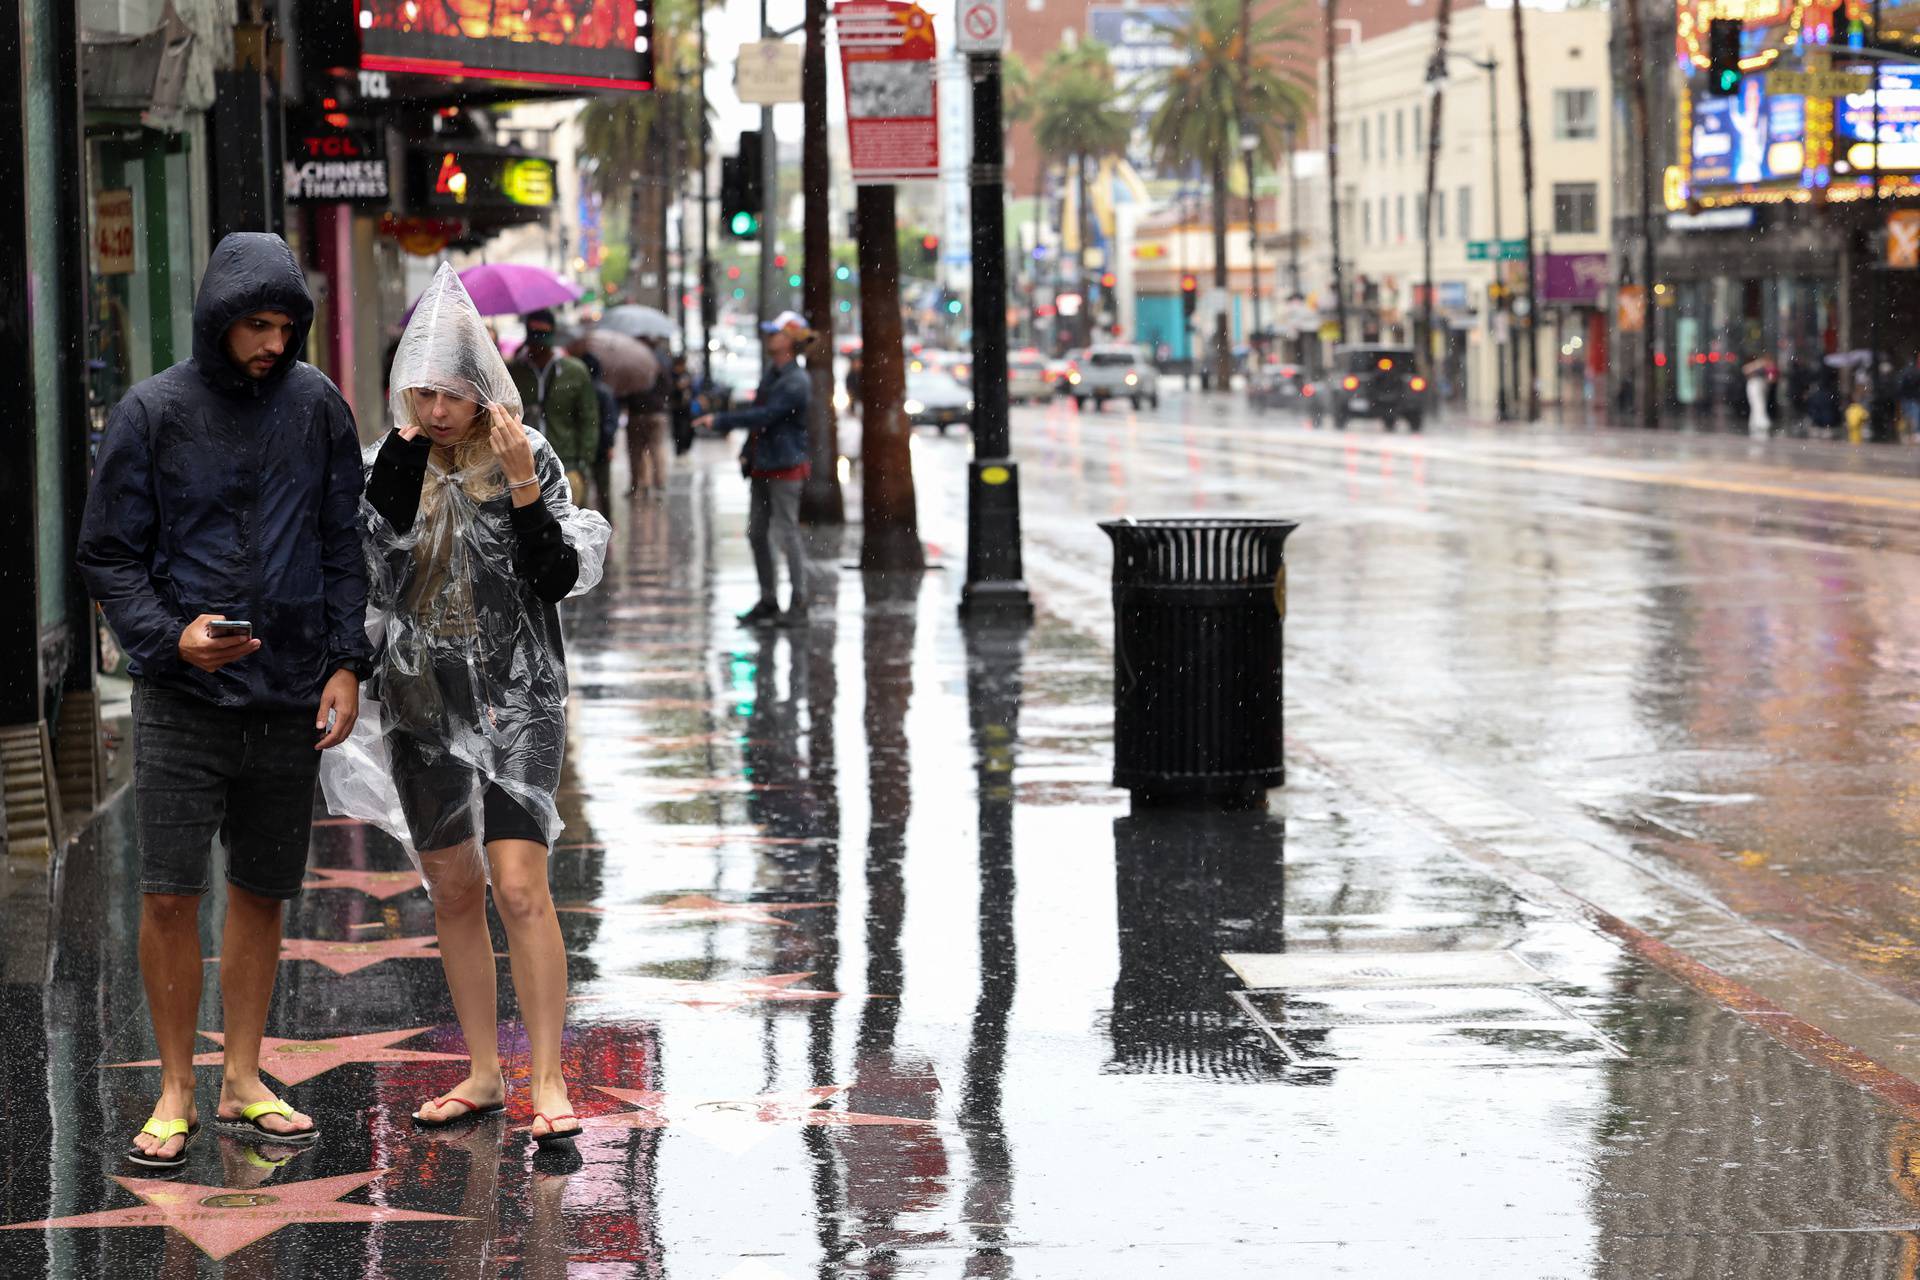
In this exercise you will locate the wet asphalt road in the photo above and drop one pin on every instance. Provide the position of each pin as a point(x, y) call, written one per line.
point(875, 975)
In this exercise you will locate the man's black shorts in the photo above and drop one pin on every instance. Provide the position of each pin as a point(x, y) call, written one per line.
point(200, 769)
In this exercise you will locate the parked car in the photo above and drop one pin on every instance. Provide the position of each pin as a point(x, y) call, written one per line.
point(1278, 386)
point(936, 400)
point(1372, 382)
point(1113, 372)
point(1027, 377)
point(1057, 368)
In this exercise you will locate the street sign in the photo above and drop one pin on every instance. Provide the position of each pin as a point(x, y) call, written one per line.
point(887, 52)
point(1496, 251)
point(1817, 80)
point(983, 26)
point(1630, 308)
point(768, 72)
point(113, 231)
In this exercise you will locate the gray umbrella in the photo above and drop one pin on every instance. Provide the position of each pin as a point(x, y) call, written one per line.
point(627, 364)
point(638, 322)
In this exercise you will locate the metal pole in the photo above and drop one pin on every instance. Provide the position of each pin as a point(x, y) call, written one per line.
point(1333, 174)
point(1253, 246)
point(1492, 67)
point(706, 215)
point(1526, 186)
point(821, 501)
point(995, 589)
point(769, 199)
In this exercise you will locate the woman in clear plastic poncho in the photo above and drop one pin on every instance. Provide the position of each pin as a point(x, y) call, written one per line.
point(472, 538)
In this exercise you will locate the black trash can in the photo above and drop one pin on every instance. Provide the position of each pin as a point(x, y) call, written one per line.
point(1197, 609)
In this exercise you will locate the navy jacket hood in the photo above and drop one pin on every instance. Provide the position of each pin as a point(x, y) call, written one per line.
point(249, 271)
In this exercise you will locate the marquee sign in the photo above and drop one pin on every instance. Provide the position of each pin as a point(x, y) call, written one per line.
point(592, 44)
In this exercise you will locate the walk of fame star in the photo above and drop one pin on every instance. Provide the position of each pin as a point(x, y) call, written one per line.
point(296, 1061)
point(221, 1220)
point(351, 957)
point(721, 994)
point(738, 1124)
point(375, 884)
point(697, 908)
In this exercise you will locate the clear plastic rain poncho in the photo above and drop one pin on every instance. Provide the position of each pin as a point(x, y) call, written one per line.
point(469, 683)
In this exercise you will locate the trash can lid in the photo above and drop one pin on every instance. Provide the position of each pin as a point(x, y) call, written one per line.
point(1221, 550)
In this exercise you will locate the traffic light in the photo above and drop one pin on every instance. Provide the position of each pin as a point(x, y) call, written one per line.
point(953, 306)
point(929, 251)
point(1723, 57)
point(740, 189)
point(1189, 295)
point(1108, 280)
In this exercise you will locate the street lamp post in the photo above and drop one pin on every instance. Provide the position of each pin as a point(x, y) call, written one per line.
point(1248, 146)
point(996, 590)
point(1491, 66)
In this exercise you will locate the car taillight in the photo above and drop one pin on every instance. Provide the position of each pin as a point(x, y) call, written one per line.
point(1307, 390)
point(1418, 384)
point(1350, 382)
point(1385, 364)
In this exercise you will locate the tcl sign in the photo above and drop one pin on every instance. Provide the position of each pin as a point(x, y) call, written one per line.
point(335, 146)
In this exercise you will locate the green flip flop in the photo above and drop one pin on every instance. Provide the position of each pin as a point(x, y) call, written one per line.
point(164, 1130)
point(247, 1123)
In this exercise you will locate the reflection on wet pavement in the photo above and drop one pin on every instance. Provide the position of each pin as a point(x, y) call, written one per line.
point(874, 975)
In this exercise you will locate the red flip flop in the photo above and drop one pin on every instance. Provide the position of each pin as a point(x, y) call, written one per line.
point(472, 1112)
point(550, 1139)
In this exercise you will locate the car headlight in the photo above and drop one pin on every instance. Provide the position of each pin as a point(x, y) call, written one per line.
point(1133, 379)
point(1074, 378)
point(969, 406)
point(914, 408)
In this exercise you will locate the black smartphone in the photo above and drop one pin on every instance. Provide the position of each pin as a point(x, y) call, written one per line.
point(230, 629)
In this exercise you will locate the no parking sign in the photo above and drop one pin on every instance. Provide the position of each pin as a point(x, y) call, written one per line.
point(983, 26)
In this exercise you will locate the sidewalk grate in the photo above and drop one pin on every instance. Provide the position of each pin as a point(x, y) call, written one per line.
point(1298, 970)
point(1448, 1008)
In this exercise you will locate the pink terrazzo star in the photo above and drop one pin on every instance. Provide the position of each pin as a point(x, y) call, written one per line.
point(737, 1124)
point(296, 1061)
point(351, 957)
point(697, 908)
point(221, 1220)
point(722, 994)
point(375, 884)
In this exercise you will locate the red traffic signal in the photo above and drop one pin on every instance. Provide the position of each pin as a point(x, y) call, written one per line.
point(733, 273)
point(779, 259)
point(930, 243)
point(1108, 280)
point(1189, 284)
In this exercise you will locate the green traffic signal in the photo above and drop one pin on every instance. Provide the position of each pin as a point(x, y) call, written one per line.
point(793, 282)
point(744, 224)
point(1729, 81)
point(953, 306)
point(843, 273)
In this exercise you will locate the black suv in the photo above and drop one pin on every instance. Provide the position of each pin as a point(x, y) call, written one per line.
point(1372, 382)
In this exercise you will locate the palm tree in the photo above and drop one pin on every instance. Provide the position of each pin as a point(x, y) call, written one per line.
point(1077, 115)
point(634, 142)
point(1237, 76)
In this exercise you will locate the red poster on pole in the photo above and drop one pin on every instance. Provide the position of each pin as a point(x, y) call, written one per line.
point(886, 58)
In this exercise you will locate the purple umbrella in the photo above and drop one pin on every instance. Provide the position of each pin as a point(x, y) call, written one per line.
point(512, 289)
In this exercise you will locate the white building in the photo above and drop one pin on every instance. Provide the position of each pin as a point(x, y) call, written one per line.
point(1384, 101)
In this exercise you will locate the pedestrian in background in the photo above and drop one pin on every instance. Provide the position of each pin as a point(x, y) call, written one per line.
point(222, 541)
point(680, 404)
point(557, 393)
point(774, 459)
point(475, 539)
point(609, 432)
point(647, 428)
point(1759, 375)
point(1823, 403)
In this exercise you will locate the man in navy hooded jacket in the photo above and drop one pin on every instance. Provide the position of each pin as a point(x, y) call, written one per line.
point(227, 490)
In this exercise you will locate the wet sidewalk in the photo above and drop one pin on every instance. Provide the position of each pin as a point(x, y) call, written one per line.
point(875, 975)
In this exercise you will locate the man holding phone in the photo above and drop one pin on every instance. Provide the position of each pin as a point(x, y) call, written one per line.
point(222, 541)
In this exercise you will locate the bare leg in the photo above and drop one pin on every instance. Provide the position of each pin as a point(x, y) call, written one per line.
point(170, 968)
point(539, 956)
point(466, 953)
point(249, 957)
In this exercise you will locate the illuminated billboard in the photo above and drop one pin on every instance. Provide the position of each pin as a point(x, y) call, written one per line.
point(1750, 139)
point(503, 186)
point(1899, 124)
point(597, 44)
